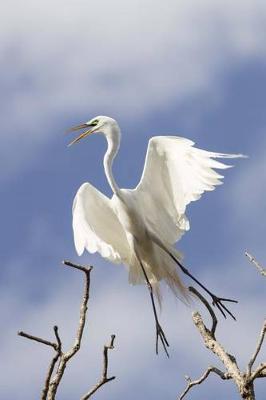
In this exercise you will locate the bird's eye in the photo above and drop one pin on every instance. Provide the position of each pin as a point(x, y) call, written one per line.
point(94, 123)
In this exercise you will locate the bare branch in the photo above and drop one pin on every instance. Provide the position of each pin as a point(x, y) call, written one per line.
point(260, 372)
point(257, 350)
point(255, 263)
point(105, 356)
point(104, 379)
point(38, 339)
point(52, 364)
point(77, 266)
point(212, 344)
point(191, 383)
point(209, 308)
point(56, 347)
point(66, 356)
point(59, 343)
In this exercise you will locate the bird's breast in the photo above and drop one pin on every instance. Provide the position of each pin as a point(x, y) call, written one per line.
point(129, 214)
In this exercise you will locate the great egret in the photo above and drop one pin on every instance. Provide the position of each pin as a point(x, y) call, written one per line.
point(139, 227)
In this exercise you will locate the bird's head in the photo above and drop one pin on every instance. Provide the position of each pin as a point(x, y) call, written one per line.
point(101, 124)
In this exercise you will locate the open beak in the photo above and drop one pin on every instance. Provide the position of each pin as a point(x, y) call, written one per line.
point(82, 135)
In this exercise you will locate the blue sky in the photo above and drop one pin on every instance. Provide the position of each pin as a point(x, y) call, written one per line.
point(194, 69)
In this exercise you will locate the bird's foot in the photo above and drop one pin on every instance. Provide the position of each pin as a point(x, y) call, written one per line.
point(161, 335)
point(218, 302)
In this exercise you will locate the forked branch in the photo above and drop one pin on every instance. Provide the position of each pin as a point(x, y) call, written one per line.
point(61, 359)
point(104, 379)
point(210, 369)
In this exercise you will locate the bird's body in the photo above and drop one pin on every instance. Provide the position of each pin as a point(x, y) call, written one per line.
point(139, 227)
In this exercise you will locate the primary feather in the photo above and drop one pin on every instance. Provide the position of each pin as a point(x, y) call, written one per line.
point(176, 173)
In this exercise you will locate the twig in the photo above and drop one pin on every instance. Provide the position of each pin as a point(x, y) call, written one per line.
point(258, 347)
point(59, 343)
point(86, 270)
point(202, 378)
point(260, 372)
point(255, 263)
point(104, 379)
point(52, 364)
point(38, 339)
point(56, 346)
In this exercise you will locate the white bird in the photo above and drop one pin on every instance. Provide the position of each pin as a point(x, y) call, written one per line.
point(139, 227)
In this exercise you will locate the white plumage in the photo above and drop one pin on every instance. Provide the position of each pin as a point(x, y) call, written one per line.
point(139, 227)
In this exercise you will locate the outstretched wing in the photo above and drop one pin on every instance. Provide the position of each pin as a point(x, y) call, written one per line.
point(96, 226)
point(175, 173)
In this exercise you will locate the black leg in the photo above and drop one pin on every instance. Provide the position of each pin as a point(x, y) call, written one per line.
point(159, 331)
point(216, 301)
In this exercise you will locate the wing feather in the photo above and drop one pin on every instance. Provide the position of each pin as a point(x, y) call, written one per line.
point(175, 174)
point(96, 226)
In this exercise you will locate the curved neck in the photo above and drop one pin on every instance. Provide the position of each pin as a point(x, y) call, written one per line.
point(113, 141)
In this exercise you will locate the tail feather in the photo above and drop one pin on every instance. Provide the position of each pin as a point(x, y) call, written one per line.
point(159, 266)
point(174, 282)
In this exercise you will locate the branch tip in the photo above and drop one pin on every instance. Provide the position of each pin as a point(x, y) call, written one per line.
point(202, 379)
point(83, 268)
point(104, 379)
point(253, 261)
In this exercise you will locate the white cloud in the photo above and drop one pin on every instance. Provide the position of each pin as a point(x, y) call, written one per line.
point(123, 58)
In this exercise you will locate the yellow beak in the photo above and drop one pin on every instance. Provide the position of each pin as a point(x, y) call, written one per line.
point(82, 135)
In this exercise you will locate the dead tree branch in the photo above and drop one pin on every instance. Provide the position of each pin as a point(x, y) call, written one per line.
point(66, 356)
point(255, 263)
point(53, 378)
point(52, 364)
point(257, 350)
point(38, 339)
point(243, 380)
point(202, 378)
point(104, 379)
